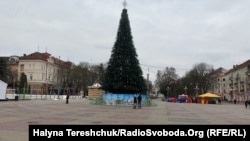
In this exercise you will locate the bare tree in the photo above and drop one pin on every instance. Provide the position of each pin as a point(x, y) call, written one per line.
point(84, 75)
point(166, 80)
point(199, 76)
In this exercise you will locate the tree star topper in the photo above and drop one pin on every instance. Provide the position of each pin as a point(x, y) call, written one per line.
point(124, 3)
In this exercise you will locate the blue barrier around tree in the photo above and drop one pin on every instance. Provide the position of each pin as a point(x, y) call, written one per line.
point(121, 99)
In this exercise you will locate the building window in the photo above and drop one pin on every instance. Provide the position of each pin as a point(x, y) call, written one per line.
point(31, 77)
point(22, 67)
point(43, 67)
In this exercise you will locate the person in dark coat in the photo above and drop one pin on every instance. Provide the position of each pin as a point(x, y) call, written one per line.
point(67, 99)
point(139, 101)
point(135, 102)
point(246, 104)
point(219, 101)
point(67, 95)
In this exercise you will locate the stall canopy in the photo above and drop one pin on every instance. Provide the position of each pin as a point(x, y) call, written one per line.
point(208, 95)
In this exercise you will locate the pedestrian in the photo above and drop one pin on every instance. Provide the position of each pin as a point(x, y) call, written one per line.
point(139, 101)
point(66, 91)
point(234, 101)
point(219, 101)
point(67, 98)
point(246, 103)
point(135, 102)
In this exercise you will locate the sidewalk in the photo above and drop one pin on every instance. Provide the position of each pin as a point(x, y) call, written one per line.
point(16, 116)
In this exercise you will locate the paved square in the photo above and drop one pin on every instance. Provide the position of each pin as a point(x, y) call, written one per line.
point(16, 116)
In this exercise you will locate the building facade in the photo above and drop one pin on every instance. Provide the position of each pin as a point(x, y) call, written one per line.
point(235, 83)
point(45, 73)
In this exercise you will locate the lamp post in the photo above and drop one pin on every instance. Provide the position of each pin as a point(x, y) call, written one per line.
point(196, 90)
point(185, 89)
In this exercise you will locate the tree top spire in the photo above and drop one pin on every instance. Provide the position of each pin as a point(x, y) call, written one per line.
point(124, 3)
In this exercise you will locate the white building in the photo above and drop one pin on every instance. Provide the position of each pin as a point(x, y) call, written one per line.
point(235, 83)
point(44, 72)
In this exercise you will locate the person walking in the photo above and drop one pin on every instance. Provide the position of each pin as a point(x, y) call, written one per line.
point(135, 102)
point(246, 103)
point(67, 95)
point(67, 99)
point(235, 101)
point(219, 101)
point(139, 101)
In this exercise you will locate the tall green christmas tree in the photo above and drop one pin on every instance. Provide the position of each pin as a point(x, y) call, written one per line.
point(124, 74)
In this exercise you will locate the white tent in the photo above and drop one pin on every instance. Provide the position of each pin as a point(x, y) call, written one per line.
point(3, 87)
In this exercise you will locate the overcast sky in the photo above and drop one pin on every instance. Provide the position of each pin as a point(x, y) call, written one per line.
point(166, 33)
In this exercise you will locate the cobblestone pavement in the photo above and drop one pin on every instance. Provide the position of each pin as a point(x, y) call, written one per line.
point(16, 116)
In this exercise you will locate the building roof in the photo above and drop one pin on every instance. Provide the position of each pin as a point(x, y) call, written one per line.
point(36, 56)
point(45, 57)
point(240, 66)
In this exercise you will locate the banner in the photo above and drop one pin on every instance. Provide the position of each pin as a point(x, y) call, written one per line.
point(194, 132)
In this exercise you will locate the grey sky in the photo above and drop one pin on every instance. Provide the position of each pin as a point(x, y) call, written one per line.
point(166, 33)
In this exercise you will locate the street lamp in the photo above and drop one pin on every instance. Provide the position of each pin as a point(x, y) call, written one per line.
point(196, 90)
point(185, 89)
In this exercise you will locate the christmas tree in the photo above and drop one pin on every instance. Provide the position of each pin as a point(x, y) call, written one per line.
point(124, 74)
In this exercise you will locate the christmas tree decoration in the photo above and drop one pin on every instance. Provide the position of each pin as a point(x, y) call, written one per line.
point(124, 74)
